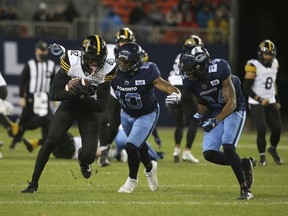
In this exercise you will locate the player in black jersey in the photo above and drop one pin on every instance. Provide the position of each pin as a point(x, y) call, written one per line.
point(93, 67)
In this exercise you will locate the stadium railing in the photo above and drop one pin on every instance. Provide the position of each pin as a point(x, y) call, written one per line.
point(81, 27)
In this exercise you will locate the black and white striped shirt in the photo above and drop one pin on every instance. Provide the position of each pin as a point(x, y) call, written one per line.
point(36, 77)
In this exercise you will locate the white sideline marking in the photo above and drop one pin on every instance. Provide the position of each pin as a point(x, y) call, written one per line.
point(240, 202)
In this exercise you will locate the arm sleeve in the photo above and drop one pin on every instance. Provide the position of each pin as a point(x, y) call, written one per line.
point(57, 89)
point(247, 87)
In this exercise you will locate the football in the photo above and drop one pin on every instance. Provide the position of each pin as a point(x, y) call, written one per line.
point(77, 81)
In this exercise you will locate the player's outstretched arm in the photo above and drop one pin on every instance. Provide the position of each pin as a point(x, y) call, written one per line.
point(174, 94)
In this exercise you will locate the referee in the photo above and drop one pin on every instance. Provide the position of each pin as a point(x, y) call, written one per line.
point(35, 80)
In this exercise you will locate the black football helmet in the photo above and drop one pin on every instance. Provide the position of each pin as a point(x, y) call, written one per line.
point(129, 57)
point(124, 35)
point(194, 63)
point(266, 47)
point(94, 53)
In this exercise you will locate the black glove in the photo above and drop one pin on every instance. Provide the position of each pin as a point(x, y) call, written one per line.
point(198, 117)
point(79, 91)
point(209, 124)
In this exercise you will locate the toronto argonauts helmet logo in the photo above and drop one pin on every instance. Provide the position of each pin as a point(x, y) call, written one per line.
point(199, 53)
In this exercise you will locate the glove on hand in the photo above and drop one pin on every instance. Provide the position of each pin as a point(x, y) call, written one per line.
point(78, 87)
point(56, 49)
point(6, 108)
point(173, 98)
point(209, 124)
point(198, 117)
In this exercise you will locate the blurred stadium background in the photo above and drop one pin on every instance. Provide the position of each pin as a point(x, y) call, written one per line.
point(68, 22)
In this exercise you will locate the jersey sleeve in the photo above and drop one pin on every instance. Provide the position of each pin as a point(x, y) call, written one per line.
point(110, 76)
point(65, 63)
point(154, 72)
point(250, 67)
point(225, 69)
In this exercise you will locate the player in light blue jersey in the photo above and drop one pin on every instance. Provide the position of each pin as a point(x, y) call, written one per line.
point(221, 111)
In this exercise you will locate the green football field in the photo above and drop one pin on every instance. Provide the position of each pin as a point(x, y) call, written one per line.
point(184, 188)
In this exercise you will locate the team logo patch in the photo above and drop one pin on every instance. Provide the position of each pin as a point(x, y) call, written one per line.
point(214, 82)
point(139, 82)
point(110, 61)
point(126, 82)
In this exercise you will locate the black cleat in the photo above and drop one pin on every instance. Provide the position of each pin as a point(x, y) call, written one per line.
point(32, 188)
point(272, 151)
point(86, 169)
point(245, 194)
point(248, 168)
point(262, 161)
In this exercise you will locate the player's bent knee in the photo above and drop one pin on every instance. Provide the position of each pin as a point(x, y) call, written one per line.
point(209, 155)
point(130, 148)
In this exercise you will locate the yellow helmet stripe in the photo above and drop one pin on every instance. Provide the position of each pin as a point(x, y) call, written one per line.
point(126, 33)
point(98, 44)
point(270, 45)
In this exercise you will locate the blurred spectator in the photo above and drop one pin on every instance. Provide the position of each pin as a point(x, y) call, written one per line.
point(110, 23)
point(185, 5)
point(188, 20)
point(203, 15)
point(58, 16)
point(8, 13)
point(224, 7)
point(42, 13)
point(173, 17)
point(137, 14)
point(11, 14)
point(218, 28)
point(70, 12)
point(155, 16)
point(2, 13)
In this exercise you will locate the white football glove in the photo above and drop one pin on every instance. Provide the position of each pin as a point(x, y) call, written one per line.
point(6, 108)
point(56, 49)
point(173, 98)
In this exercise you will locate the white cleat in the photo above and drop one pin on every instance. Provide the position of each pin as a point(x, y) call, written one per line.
point(152, 177)
point(176, 155)
point(187, 156)
point(129, 186)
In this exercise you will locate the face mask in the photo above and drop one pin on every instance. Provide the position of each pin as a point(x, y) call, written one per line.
point(43, 57)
